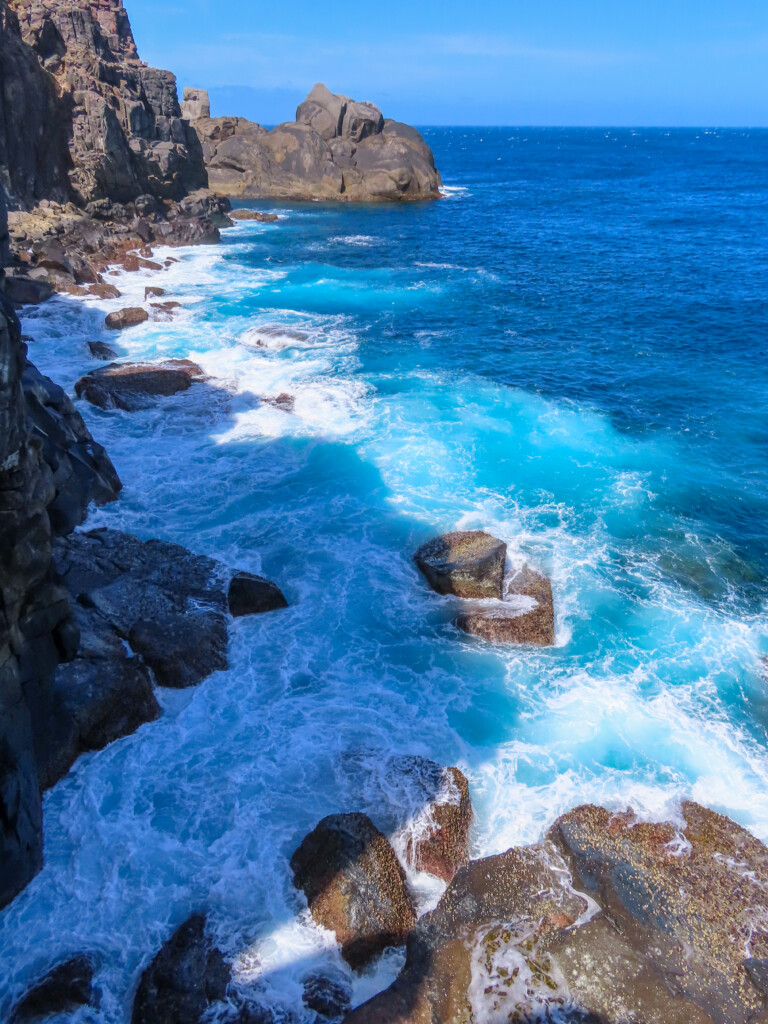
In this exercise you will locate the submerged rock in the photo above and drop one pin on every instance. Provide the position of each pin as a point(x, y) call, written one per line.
point(132, 386)
point(153, 292)
point(354, 886)
point(467, 564)
point(251, 595)
point(282, 401)
point(128, 317)
point(184, 980)
point(64, 988)
point(505, 623)
point(610, 920)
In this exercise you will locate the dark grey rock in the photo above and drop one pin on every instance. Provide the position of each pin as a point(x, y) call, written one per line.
point(184, 980)
point(64, 989)
point(329, 997)
point(181, 649)
point(27, 291)
point(133, 386)
point(100, 350)
point(252, 595)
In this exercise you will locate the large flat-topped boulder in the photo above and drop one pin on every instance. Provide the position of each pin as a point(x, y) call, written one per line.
point(508, 623)
point(467, 563)
point(610, 920)
point(133, 386)
point(354, 886)
point(337, 148)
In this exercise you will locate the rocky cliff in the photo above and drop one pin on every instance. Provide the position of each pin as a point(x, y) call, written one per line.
point(336, 148)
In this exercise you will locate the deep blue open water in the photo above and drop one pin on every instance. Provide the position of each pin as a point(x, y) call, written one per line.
point(570, 351)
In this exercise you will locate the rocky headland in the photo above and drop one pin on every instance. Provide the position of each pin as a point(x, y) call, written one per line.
point(337, 148)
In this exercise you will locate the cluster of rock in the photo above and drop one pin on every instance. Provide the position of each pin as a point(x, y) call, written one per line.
point(471, 565)
point(94, 154)
point(336, 148)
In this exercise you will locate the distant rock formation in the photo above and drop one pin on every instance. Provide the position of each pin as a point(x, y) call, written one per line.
point(336, 148)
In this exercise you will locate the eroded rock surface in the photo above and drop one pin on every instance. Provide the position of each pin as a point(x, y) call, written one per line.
point(354, 886)
point(438, 840)
point(506, 622)
point(335, 149)
point(610, 920)
point(468, 564)
point(133, 386)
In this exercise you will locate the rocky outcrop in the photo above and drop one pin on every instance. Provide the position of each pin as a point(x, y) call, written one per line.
point(438, 839)
point(133, 386)
point(64, 989)
point(467, 564)
point(509, 623)
point(328, 997)
point(251, 595)
point(264, 218)
point(335, 149)
point(354, 886)
point(130, 316)
point(609, 920)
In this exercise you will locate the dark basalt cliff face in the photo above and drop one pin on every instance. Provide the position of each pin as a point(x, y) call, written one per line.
point(336, 148)
point(81, 117)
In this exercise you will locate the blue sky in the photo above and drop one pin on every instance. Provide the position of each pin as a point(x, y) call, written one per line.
point(543, 62)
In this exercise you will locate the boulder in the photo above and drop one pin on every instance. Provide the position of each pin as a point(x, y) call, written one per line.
point(328, 997)
point(265, 218)
point(63, 989)
point(252, 595)
point(354, 886)
point(185, 979)
point(128, 317)
point(100, 350)
point(438, 838)
point(103, 290)
point(133, 386)
point(610, 920)
point(181, 649)
point(153, 292)
point(467, 564)
point(27, 291)
point(507, 623)
point(196, 104)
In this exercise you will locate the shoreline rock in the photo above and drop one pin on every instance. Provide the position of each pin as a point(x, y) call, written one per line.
point(336, 149)
point(63, 989)
point(468, 564)
point(505, 623)
point(132, 386)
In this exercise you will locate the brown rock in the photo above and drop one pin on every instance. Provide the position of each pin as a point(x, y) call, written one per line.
point(100, 350)
point(264, 218)
point(441, 845)
point(503, 623)
point(282, 401)
point(467, 564)
point(128, 317)
point(354, 886)
point(131, 386)
point(104, 290)
point(153, 292)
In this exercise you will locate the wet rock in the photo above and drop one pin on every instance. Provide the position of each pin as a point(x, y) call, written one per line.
point(27, 291)
point(438, 840)
point(507, 623)
point(64, 989)
point(328, 997)
point(354, 886)
point(133, 386)
point(82, 472)
point(282, 401)
point(167, 603)
point(104, 290)
point(467, 564)
point(153, 292)
point(251, 595)
point(166, 309)
point(184, 980)
point(100, 350)
point(128, 317)
point(611, 919)
point(264, 218)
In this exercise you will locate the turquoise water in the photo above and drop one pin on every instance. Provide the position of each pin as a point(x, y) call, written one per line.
point(568, 350)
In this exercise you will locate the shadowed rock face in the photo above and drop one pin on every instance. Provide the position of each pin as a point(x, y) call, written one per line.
point(335, 149)
point(609, 920)
point(133, 386)
point(354, 886)
point(64, 988)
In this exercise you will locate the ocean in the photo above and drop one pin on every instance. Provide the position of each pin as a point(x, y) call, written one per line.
point(569, 350)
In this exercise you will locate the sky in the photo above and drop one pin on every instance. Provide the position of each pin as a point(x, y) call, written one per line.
point(458, 62)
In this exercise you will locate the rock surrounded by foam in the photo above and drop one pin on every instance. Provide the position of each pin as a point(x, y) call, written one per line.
point(65, 988)
point(440, 843)
point(610, 919)
point(506, 623)
point(467, 564)
point(132, 386)
point(354, 886)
